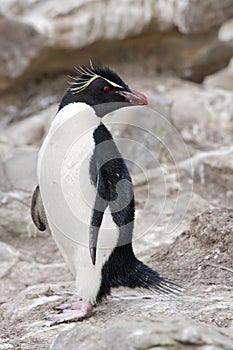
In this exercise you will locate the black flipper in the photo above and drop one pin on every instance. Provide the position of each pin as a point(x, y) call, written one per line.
point(37, 210)
point(97, 215)
point(110, 176)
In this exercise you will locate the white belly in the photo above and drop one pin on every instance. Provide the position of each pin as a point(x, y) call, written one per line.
point(68, 196)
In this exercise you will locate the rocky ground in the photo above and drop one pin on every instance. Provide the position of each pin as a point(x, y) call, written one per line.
point(182, 142)
point(34, 277)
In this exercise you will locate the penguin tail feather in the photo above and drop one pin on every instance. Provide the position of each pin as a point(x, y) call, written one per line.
point(142, 276)
point(150, 279)
point(123, 269)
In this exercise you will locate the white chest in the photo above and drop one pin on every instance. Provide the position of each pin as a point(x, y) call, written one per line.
point(68, 195)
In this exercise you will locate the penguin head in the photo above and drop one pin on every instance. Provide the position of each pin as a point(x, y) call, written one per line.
point(102, 89)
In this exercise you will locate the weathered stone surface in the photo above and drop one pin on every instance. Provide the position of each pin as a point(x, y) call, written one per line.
point(142, 131)
point(20, 44)
point(202, 113)
point(35, 295)
point(16, 186)
point(159, 332)
point(38, 37)
point(197, 15)
point(32, 332)
point(214, 226)
point(189, 16)
point(210, 56)
point(15, 212)
point(20, 168)
point(219, 170)
point(222, 79)
point(8, 258)
point(226, 30)
point(28, 131)
point(204, 251)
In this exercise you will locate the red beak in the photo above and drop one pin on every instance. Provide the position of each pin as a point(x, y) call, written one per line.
point(134, 97)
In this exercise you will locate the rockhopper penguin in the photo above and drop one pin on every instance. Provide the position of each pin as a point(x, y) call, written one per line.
point(101, 255)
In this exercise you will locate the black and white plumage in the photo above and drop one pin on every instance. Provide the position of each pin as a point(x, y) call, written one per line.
point(105, 259)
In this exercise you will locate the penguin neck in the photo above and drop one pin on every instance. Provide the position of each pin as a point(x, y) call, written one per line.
point(101, 134)
point(69, 111)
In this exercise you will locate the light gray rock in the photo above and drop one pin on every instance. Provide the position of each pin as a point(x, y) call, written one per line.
point(20, 168)
point(226, 30)
point(26, 132)
point(189, 16)
point(160, 332)
point(4, 345)
point(31, 297)
point(19, 180)
point(141, 132)
point(17, 53)
point(203, 114)
point(30, 130)
point(219, 169)
point(222, 79)
point(204, 117)
point(57, 36)
point(163, 226)
point(8, 258)
point(81, 23)
point(197, 15)
point(212, 175)
point(14, 212)
point(27, 312)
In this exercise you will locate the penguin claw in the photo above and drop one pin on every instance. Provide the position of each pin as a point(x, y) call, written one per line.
point(66, 317)
point(73, 304)
point(70, 311)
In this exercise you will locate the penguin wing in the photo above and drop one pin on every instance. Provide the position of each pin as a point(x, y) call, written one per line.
point(100, 205)
point(37, 211)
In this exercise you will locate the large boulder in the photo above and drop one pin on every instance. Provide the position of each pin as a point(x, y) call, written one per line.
point(160, 332)
point(197, 15)
point(42, 36)
point(98, 19)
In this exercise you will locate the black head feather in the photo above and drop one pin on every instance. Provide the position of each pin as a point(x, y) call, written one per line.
point(89, 87)
point(86, 75)
point(102, 89)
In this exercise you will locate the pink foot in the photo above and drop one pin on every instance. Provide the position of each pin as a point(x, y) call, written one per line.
point(73, 304)
point(71, 311)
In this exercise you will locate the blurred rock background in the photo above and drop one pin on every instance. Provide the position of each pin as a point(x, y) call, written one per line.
point(178, 53)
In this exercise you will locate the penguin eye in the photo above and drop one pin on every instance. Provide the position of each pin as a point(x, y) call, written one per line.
point(107, 89)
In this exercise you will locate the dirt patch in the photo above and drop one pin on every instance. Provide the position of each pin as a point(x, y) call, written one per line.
point(202, 255)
